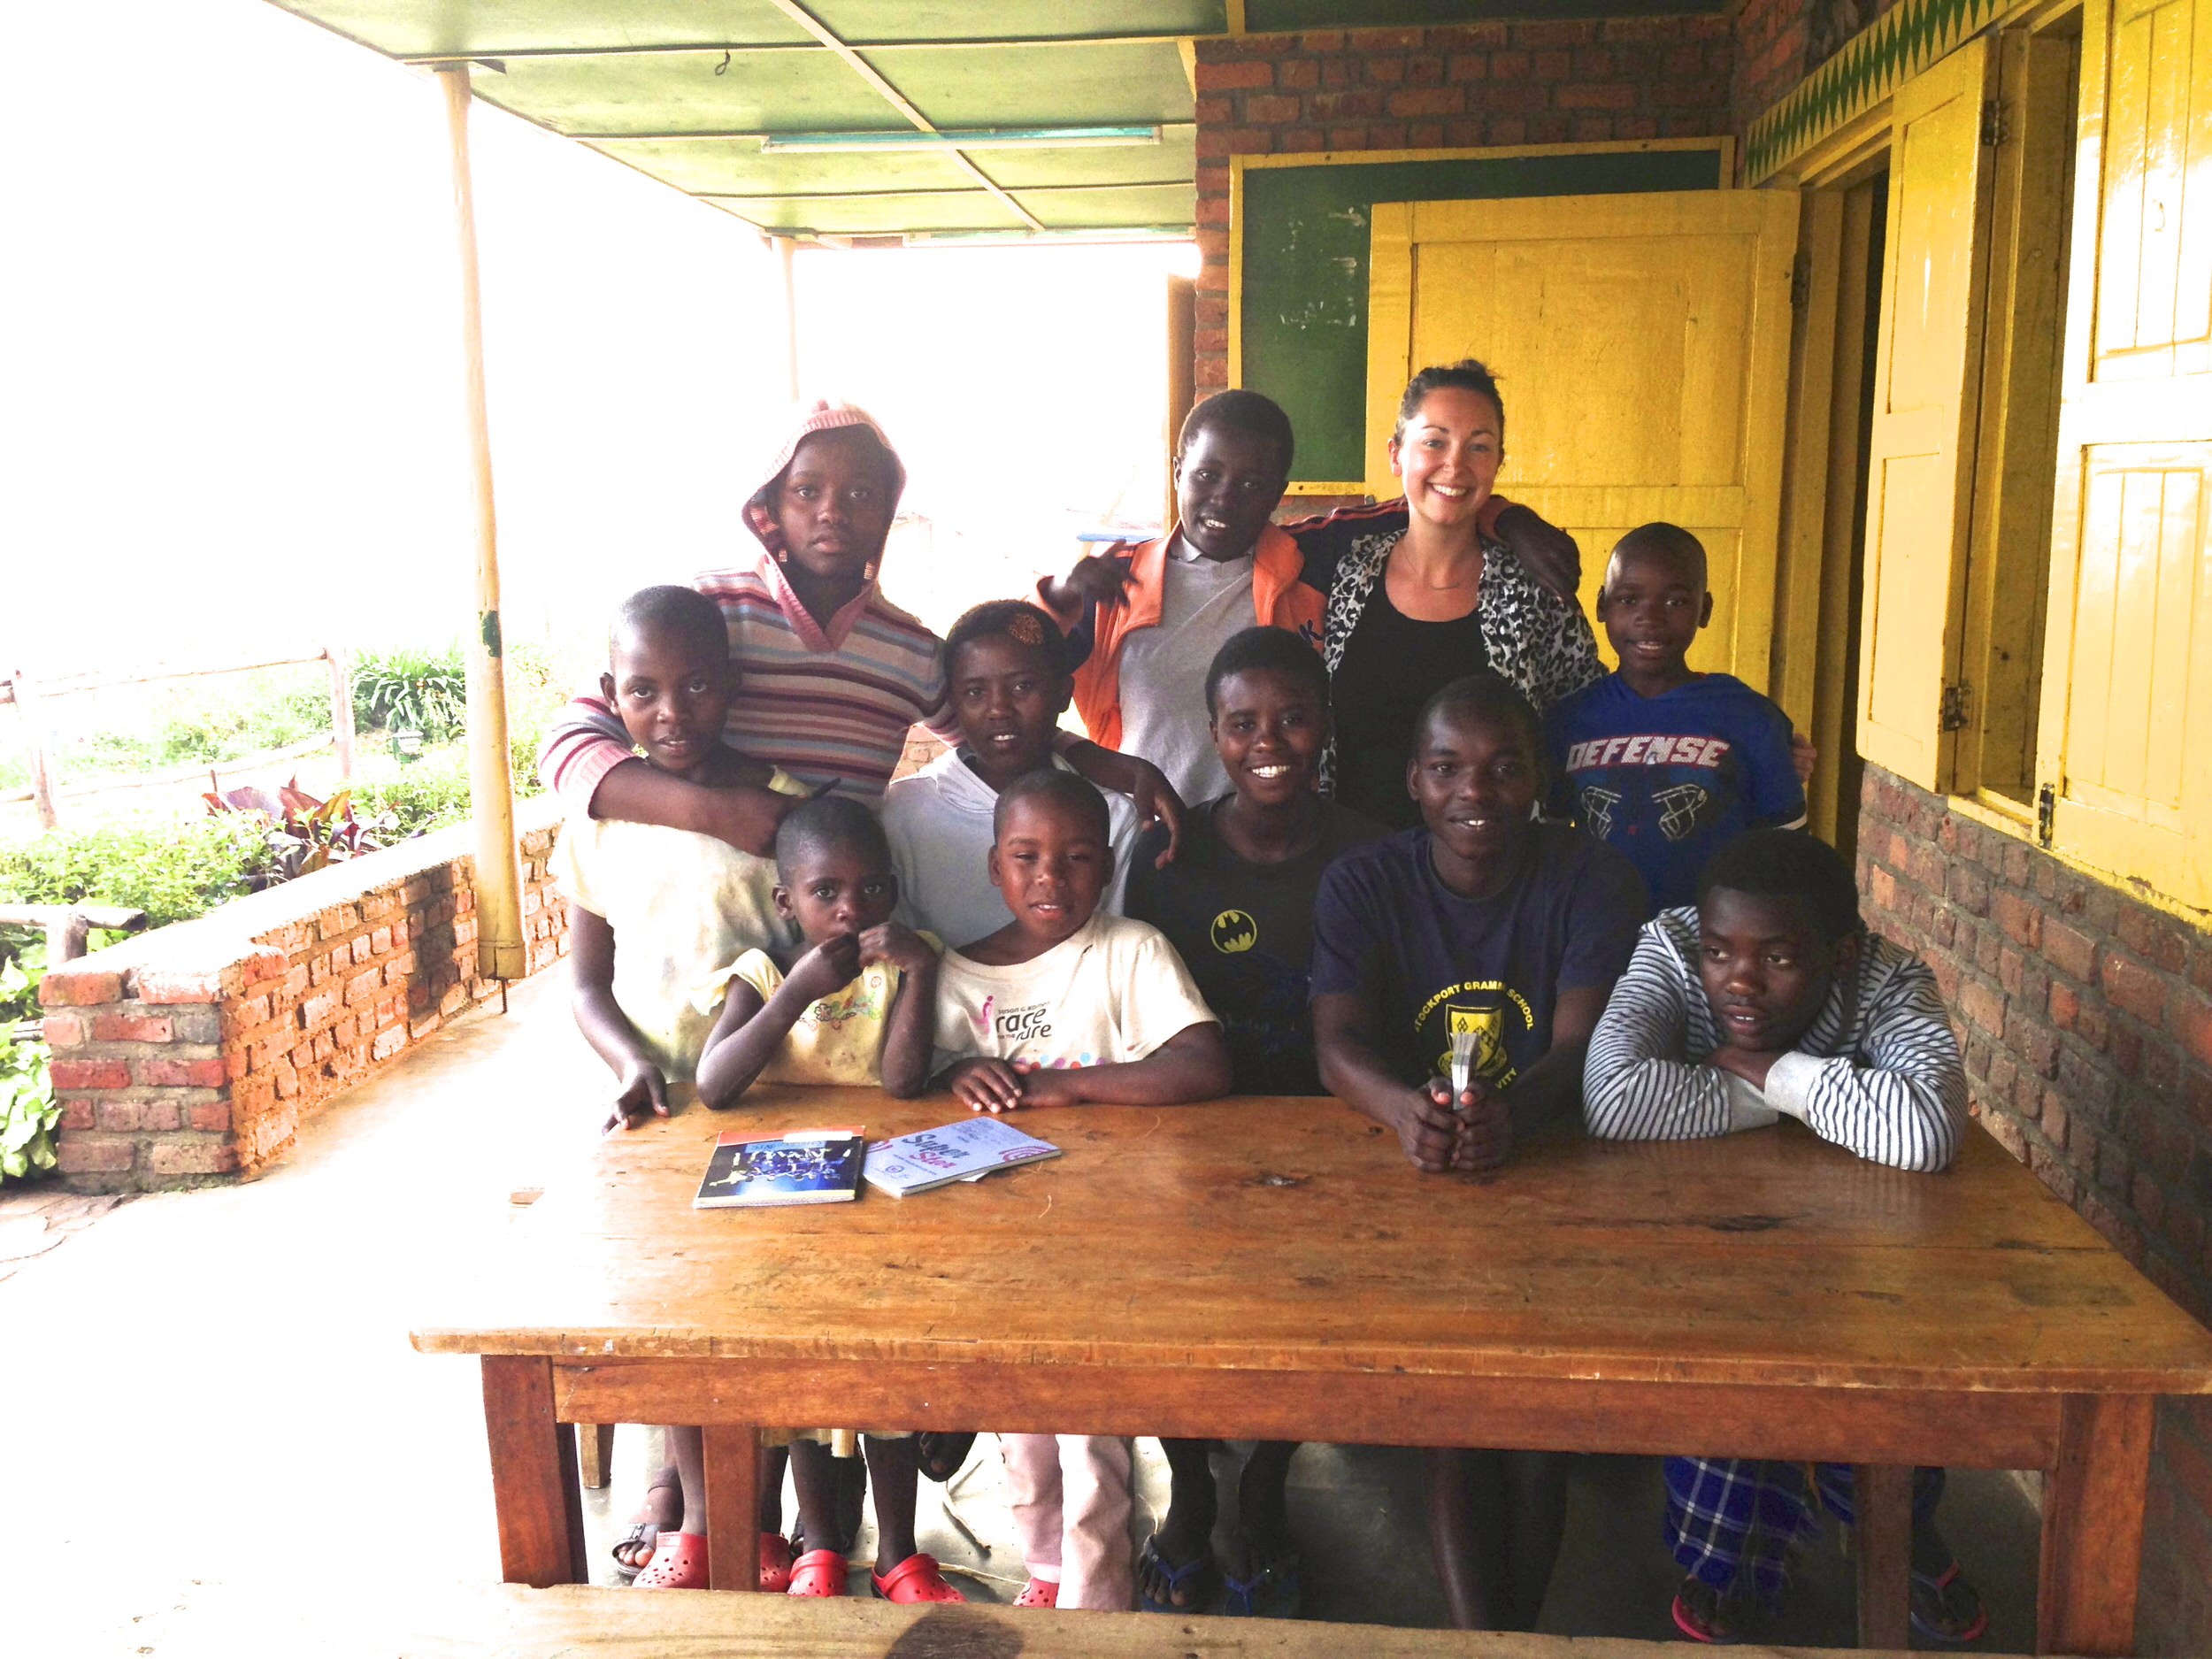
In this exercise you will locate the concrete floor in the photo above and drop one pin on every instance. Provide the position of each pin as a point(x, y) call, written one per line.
point(218, 1439)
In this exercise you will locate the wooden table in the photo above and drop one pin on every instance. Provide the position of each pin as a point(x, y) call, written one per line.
point(1273, 1269)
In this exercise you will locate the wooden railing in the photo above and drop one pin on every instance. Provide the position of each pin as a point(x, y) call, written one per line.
point(29, 698)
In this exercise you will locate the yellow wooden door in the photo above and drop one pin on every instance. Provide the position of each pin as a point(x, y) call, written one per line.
point(2126, 749)
point(1920, 453)
point(1641, 344)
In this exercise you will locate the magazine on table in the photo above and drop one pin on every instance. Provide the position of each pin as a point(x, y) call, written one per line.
point(964, 1151)
point(807, 1166)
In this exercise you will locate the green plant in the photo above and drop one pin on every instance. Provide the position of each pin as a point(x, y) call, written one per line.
point(172, 871)
point(429, 794)
point(28, 1110)
point(303, 833)
point(411, 688)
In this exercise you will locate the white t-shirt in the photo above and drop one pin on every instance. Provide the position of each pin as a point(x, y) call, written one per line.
point(1203, 603)
point(1111, 994)
point(684, 908)
point(939, 823)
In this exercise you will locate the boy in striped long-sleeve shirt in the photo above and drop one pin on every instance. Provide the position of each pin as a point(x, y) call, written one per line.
point(1767, 999)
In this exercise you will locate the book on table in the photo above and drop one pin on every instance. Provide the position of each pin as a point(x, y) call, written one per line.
point(807, 1166)
point(964, 1151)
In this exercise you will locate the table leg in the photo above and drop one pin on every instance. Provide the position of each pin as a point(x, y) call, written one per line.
point(733, 1460)
point(1881, 1506)
point(534, 1487)
point(2092, 1526)
point(594, 1451)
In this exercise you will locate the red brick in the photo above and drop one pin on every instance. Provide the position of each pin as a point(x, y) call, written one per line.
point(2020, 921)
point(62, 1031)
point(116, 1117)
point(1984, 1006)
point(215, 1116)
point(1426, 101)
point(89, 1155)
point(1340, 72)
point(1334, 106)
point(1385, 72)
point(180, 1073)
point(1270, 108)
point(76, 988)
point(1234, 77)
point(160, 1115)
point(1369, 42)
point(1643, 28)
point(1614, 97)
point(67, 1074)
point(1322, 41)
point(1508, 65)
point(1424, 70)
point(191, 1157)
point(178, 986)
point(2157, 938)
point(364, 985)
point(1298, 74)
point(1469, 66)
point(2134, 988)
point(132, 1028)
point(390, 1044)
point(2069, 950)
point(2189, 1017)
point(1297, 141)
point(1554, 33)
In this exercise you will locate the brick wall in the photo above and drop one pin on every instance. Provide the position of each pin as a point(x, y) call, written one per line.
point(1778, 42)
point(1412, 88)
point(2085, 1018)
point(188, 1055)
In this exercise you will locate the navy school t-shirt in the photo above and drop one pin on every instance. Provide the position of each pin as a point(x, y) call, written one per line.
point(1427, 961)
point(1245, 930)
point(1671, 780)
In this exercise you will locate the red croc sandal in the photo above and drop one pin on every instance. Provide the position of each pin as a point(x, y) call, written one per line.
point(680, 1563)
point(775, 1562)
point(817, 1572)
point(915, 1579)
point(1038, 1593)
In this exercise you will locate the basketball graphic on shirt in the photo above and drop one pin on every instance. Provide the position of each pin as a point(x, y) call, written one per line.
point(1488, 1025)
point(1234, 931)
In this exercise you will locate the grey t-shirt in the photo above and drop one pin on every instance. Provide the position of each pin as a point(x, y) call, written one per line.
point(1202, 602)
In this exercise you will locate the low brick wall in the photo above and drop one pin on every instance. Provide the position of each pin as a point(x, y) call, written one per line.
point(187, 1055)
point(2085, 1018)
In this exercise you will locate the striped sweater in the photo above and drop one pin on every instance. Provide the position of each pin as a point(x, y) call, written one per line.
point(825, 704)
point(1878, 1073)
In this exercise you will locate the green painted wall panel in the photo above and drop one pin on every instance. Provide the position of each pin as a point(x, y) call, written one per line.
point(1303, 322)
point(1041, 86)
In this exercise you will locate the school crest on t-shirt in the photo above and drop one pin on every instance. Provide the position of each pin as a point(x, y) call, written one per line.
point(1489, 1008)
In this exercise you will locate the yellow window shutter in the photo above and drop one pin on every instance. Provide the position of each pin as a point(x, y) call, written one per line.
point(1920, 460)
point(2125, 741)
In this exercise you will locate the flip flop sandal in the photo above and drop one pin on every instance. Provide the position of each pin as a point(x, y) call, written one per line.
point(915, 1579)
point(1946, 1609)
point(1038, 1593)
point(817, 1572)
point(1198, 1568)
point(680, 1563)
point(775, 1562)
point(645, 1533)
point(1270, 1593)
point(943, 1456)
point(1697, 1613)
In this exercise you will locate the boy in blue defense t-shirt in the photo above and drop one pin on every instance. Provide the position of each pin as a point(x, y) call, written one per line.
point(1662, 762)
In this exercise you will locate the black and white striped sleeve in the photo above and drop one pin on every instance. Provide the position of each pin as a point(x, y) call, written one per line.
point(1904, 1105)
point(1635, 1084)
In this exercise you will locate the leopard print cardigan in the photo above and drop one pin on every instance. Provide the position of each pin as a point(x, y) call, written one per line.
point(1540, 642)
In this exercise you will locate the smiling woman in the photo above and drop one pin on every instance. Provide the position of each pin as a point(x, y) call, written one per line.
point(1420, 593)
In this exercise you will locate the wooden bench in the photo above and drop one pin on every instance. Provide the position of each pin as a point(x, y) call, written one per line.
point(579, 1622)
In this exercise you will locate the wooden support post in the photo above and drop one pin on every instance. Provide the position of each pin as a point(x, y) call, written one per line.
point(733, 1469)
point(1881, 1507)
point(500, 951)
point(2092, 1526)
point(534, 1489)
point(786, 250)
point(594, 1454)
point(1182, 370)
point(342, 709)
point(34, 740)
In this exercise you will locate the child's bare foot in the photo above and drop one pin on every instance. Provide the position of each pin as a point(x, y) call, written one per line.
point(663, 1510)
point(1261, 1568)
point(1176, 1570)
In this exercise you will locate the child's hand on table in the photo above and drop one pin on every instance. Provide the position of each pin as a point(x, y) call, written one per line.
point(1051, 1086)
point(1483, 1130)
point(986, 1086)
point(898, 947)
point(1427, 1127)
point(1752, 1068)
point(828, 968)
point(644, 1094)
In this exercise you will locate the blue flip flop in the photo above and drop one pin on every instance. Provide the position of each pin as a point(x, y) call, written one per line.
point(1200, 1568)
point(1270, 1593)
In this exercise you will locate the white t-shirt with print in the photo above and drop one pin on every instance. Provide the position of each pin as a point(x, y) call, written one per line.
point(1110, 994)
